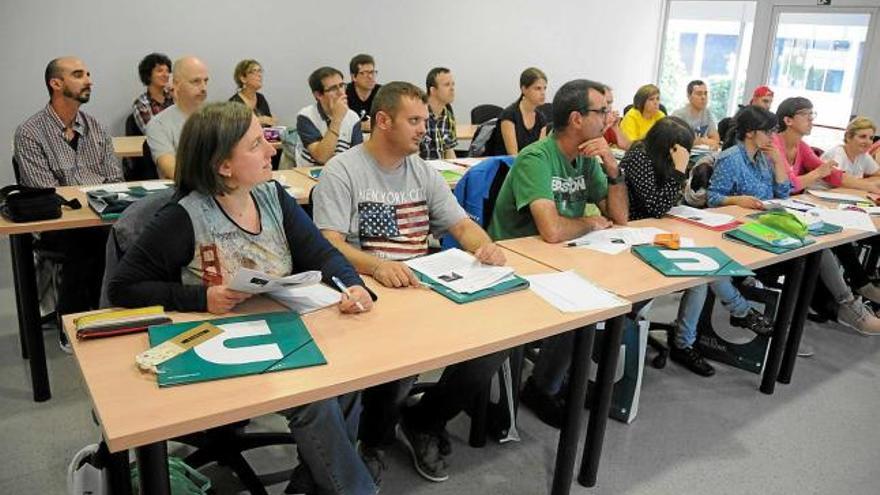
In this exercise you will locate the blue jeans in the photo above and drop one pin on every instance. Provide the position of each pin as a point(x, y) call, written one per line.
point(692, 305)
point(325, 432)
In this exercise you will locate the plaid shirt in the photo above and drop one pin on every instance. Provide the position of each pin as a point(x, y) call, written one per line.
point(145, 107)
point(440, 135)
point(46, 159)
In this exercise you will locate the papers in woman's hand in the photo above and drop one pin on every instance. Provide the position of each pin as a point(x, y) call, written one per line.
point(569, 292)
point(305, 299)
point(256, 282)
point(459, 271)
point(617, 240)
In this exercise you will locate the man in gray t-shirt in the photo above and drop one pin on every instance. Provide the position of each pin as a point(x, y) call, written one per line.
point(696, 114)
point(377, 203)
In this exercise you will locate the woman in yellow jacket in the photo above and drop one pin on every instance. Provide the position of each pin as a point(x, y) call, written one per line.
point(644, 113)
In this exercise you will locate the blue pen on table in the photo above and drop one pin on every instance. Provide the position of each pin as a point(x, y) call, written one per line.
point(344, 289)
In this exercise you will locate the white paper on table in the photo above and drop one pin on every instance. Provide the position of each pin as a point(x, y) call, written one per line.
point(870, 210)
point(459, 271)
point(834, 196)
point(569, 292)
point(704, 217)
point(848, 219)
point(257, 282)
point(616, 240)
point(113, 187)
point(305, 299)
point(157, 185)
point(467, 162)
point(441, 165)
point(686, 242)
point(791, 204)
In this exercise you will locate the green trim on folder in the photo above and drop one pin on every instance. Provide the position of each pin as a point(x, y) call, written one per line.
point(517, 283)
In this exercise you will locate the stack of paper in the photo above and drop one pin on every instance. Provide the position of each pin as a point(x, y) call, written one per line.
point(614, 241)
point(305, 299)
point(848, 219)
point(706, 218)
point(459, 271)
point(569, 292)
point(256, 282)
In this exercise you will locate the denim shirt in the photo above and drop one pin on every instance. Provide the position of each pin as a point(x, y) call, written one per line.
point(737, 175)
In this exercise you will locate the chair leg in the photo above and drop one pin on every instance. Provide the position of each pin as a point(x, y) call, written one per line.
point(245, 474)
point(477, 436)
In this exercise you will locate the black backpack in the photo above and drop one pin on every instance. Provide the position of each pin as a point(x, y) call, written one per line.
point(32, 204)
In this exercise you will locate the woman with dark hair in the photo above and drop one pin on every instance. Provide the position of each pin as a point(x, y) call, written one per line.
point(644, 113)
point(228, 214)
point(654, 169)
point(520, 123)
point(155, 73)
point(248, 77)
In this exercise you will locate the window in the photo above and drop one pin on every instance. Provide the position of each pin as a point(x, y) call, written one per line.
point(706, 40)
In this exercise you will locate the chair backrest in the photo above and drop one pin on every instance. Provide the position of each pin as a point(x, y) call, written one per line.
point(485, 140)
point(482, 113)
point(478, 189)
point(16, 169)
point(127, 229)
point(131, 128)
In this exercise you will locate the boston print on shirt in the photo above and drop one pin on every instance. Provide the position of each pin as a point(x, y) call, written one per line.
point(395, 232)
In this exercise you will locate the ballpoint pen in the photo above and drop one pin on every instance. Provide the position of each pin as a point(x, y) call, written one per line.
point(344, 289)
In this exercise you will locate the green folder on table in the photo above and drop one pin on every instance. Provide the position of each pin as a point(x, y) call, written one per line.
point(690, 262)
point(767, 238)
point(249, 345)
point(512, 285)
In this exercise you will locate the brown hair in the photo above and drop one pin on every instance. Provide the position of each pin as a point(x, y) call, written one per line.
point(241, 70)
point(859, 124)
point(388, 97)
point(643, 95)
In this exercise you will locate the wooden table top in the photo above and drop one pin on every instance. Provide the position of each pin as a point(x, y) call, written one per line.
point(409, 331)
point(133, 146)
point(627, 276)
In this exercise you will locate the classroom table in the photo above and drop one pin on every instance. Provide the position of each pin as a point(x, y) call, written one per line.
point(362, 350)
point(133, 146)
point(314, 173)
point(634, 280)
point(24, 274)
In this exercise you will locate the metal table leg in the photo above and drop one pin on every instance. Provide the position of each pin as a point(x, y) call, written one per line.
point(152, 462)
point(811, 274)
point(790, 290)
point(29, 313)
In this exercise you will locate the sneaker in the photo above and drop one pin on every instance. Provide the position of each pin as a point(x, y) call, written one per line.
point(549, 408)
point(497, 420)
point(856, 315)
point(870, 292)
point(374, 459)
point(64, 344)
point(425, 453)
point(691, 359)
point(754, 321)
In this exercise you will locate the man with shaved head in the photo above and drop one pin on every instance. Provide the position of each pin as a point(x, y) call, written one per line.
point(190, 85)
point(62, 146)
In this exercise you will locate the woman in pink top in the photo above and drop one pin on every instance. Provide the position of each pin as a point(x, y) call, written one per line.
point(805, 168)
point(874, 151)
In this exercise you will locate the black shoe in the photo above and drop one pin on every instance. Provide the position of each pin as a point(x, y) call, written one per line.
point(691, 359)
point(497, 420)
point(443, 443)
point(374, 459)
point(549, 409)
point(754, 321)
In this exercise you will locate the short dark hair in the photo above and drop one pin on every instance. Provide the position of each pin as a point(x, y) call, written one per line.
point(530, 76)
point(150, 62)
point(241, 70)
point(665, 134)
point(388, 97)
point(431, 79)
point(693, 84)
point(643, 94)
point(207, 139)
point(359, 60)
point(53, 71)
point(749, 118)
point(573, 96)
point(789, 107)
point(321, 73)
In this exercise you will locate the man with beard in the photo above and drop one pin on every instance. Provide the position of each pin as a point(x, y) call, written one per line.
point(190, 84)
point(60, 146)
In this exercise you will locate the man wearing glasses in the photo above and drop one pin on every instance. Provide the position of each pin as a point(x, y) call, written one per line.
point(328, 127)
point(363, 87)
point(561, 187)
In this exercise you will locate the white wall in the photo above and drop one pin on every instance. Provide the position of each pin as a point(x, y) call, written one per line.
point(486, 44)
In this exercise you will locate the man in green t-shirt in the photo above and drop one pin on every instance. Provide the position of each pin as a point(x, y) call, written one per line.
point(560, 188)
point(568, 183)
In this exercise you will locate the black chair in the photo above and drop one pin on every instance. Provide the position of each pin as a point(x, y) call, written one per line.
point(223, 445)
point(546, 111)
point(131, 128)
point(142, 167)
point(482, 113)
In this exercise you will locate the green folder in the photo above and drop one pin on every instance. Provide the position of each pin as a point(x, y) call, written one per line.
point(249, 345)
point(109, 205)
point(513, 285)
point(743, 235)
point(817, 228)
point(690, 262)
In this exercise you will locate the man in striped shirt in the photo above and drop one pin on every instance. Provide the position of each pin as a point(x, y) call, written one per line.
point(327, 127)
point(377, 203)
point(63, 146)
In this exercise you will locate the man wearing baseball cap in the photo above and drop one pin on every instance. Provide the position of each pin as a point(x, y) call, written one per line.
point(762, 97)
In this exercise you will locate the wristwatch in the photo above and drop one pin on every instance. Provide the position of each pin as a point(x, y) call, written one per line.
point(613, 181)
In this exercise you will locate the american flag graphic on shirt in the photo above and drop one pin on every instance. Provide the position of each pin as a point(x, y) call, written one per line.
point(395, 232)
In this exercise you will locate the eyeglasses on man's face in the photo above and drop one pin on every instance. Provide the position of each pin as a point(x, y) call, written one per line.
point(335, 88)
point(372, 73)
point(602, 112)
